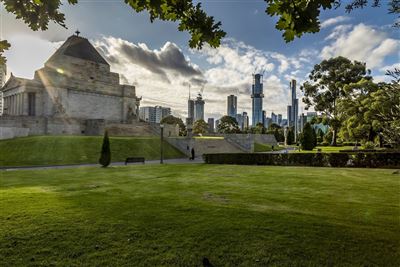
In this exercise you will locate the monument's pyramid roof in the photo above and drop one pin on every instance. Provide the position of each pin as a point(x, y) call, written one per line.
point(79, 47)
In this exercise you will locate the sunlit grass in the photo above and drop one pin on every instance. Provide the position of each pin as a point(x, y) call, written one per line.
point(48, 150)
point(174, 215)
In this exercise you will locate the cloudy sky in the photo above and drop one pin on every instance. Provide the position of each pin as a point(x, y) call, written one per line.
point(155, 56)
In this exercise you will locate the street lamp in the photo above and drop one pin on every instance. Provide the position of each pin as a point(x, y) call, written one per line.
point(161, 145)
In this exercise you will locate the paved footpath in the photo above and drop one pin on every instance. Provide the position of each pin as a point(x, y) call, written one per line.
point(166, 161)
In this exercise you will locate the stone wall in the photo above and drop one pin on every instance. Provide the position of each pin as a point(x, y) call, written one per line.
point(13, 132)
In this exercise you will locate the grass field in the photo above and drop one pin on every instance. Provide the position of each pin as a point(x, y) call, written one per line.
point(327, 149)
point(174, 215)
point(47, 150)
point(265, 148)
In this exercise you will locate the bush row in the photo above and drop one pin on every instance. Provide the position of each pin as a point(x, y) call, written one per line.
point(360, 160)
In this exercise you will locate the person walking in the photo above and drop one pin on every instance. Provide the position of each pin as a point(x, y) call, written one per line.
point(192, 153)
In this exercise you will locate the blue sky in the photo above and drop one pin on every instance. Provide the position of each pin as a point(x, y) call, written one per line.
point(252, 43)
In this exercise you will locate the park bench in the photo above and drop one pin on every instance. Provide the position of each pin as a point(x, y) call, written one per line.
point(134, 160)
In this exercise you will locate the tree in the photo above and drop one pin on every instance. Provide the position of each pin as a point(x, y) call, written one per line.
point(385, 108)
point(200, 127)
point(308, 137)
point(174, 121)
point(296, 17)
point(228, 125)
point(277, 131)
point(325, 87)
point(290, 136)
point(105, 156)
point(357, 122)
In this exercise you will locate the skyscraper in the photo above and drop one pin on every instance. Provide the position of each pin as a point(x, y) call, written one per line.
point(279, 119)
point(245, 120)
point(239, 120)
point(210, 125)
point(289, 115)
point(257, 96)
point(232, 106)
point(190, 118)
point(294, 109)
point(274, 118)
point(199, 108)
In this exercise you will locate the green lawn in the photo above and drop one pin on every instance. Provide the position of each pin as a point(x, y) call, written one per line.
point(174, 215)
point(46, 150)
point(265, 148)
point(328, 149)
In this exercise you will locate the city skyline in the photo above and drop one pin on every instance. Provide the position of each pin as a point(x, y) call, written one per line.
point(140, 55)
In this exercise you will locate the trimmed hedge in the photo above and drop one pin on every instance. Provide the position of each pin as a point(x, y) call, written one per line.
point(360, 160)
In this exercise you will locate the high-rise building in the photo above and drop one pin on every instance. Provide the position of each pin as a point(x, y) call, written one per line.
point(274, 118)
point(245, 121)
point(210, 122)
point(289, 115)
point(264, 118)
point(293, 121)
point(257, 96)
point(279, 119)
point(199, 108)
point(154, 114)
point(190, 118)
point(239, 119)
point(232, 106)
point(3, 74)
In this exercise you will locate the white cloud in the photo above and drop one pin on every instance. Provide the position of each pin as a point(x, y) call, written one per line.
point(363, 43)
point(333, 21)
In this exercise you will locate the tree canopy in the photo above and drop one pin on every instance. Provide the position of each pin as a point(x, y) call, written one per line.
point(326, 87)
point(200, 127)
point(227, 125)
point(295, 17)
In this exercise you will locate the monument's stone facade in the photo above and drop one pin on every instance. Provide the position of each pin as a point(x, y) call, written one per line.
point(72, 92)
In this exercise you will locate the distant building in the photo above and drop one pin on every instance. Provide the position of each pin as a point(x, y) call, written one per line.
point(264, 117)
point(279, 119)
point(199, 108)
point(302, 121)
point(274, 118)
point(257, 95)
point(210, 122)
point(294, 110)
point(245, 121)
point(3, 74)
point(190, 117)
point(284, 122)
point(154, 114)
point(217, 122)
point(289, 115)
point(239, 119)
point(311, 115)
point(232, 106)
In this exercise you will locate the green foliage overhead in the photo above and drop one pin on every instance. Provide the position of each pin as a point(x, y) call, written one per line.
point(4, 45)
point(297, 17)
point(200, 127)
point(228, 125)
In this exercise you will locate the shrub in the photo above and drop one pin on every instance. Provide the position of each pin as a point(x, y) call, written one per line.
point(308, 137)
point(368, 145)
point(105, 156)
point(345, 159)
point(338, 159)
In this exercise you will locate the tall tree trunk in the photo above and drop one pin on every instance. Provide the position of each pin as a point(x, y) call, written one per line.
point(334, 135)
